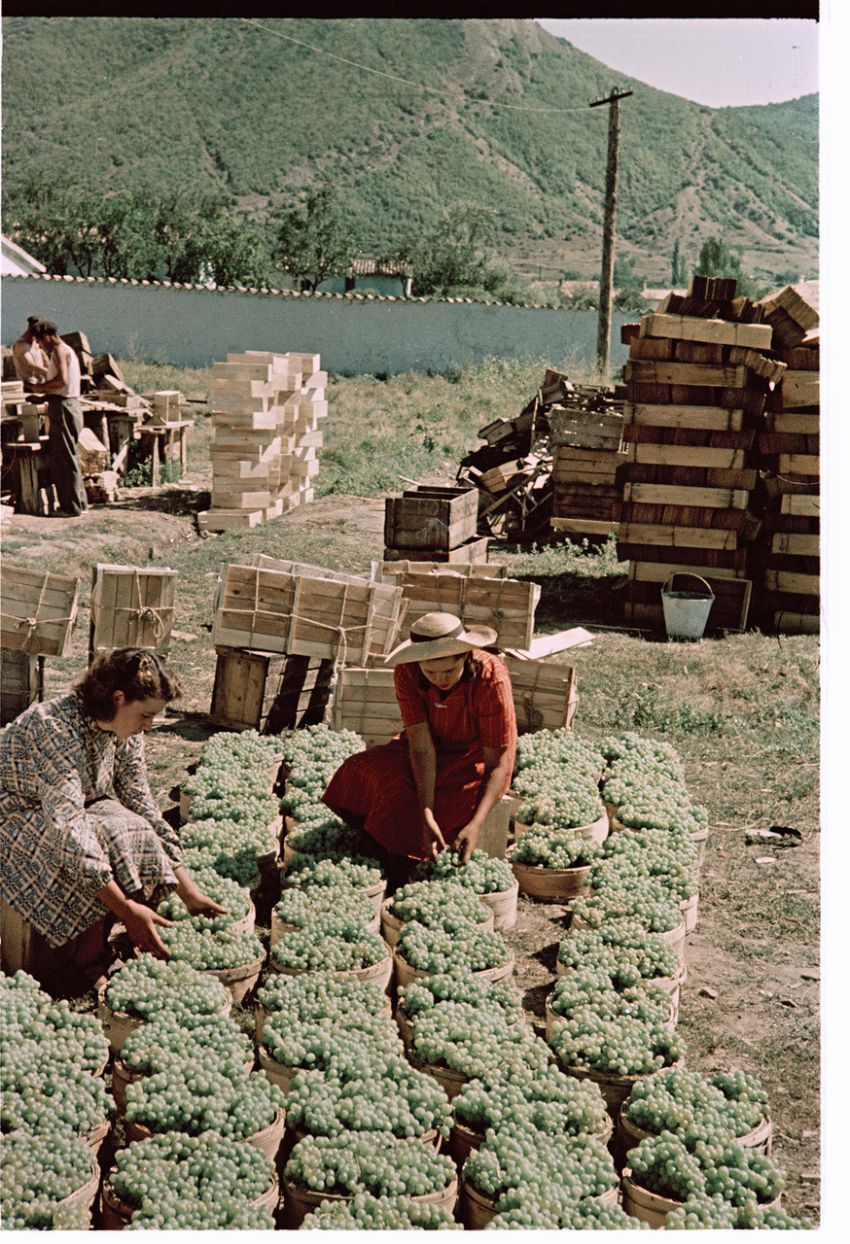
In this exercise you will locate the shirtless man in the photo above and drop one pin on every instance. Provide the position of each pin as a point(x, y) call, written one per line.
point(31, 364)
point(62, 390)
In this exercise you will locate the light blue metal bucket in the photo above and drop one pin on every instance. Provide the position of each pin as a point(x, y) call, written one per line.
point(686, 613)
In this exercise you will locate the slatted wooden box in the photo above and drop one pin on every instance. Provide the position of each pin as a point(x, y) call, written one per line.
point(545, 698)
point(258, 691)
point(18, 683)
point(431, 518)
point(471, 552)
point(508, 605)
point(37, 612)
point(131, 607)
point(306, 611)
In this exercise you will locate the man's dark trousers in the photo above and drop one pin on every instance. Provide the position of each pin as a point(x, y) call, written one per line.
point(66, 424)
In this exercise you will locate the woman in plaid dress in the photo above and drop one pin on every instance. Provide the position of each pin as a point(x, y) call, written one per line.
point(83, 842)
point(433, 786)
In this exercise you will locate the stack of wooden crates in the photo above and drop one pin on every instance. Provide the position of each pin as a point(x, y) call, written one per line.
point(787, 560)
point(266, 412)
point(587, 452)
point(433, 524)
point(696, 385)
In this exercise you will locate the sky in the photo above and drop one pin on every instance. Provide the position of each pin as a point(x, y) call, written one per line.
point(720, 63)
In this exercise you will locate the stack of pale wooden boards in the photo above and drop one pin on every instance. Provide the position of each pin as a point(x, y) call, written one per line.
point(266, 409)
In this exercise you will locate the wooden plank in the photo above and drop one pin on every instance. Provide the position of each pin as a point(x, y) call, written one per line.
point(804, 505)
point(709, 418)
point(797, 545)
point(678, 537)
point(471, 553)
point(799, 464)
point(785, 581)
point(703, 375)
point(800, 388)
point(659, 572)
point(685, 455)
point(666, 494)
point(793, 421)
point(566, 525)
point(693, 328)
point(790, 623)
point(543, 646)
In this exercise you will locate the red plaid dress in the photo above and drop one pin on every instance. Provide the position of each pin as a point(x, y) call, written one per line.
point(377, 785)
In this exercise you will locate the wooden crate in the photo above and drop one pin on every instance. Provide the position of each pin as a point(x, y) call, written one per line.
point(258, 691)
point(131, 607)
point(38, 612)
point(431, 518)
point(732, 596)
point(668, 494)
point(545, 698)
point(19, 683)
point(472, 552)
point(585, 429)
point(317, 614)
point(392, 568)
point(507, 605)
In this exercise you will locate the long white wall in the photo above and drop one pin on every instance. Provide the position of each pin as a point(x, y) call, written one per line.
point(192, 326)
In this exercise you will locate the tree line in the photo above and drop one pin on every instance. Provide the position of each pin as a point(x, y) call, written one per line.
point(194, 237)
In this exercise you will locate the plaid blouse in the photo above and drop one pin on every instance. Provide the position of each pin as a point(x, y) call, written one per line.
point(58, 846)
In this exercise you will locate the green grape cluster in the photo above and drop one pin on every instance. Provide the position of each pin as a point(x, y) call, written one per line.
point(368, 1092)
point(543, 1208)
point(378, 1164)
point(237, 863)
point(483, 873)
point(368, 1213)
point(755, 1217)
point(650, 902)
point(433, 950)
point(518, 1157)
point(186, 1098)
point(209, 951)
point(253, 812)
point(209, 1167)
point(707, 1167)
point(168, 1040)
point(38, 1170)
point(145, 987)
point(221, 890)
point(322, 997)
point(318, 745)
point(501, 997)
point(301, 908)
point(645, 782)
point(561, 807)
point(438, 904)
point(333, 944)
point(353, 872)
point(472, 1042)
point(693, 1107)
point(623, 948)
point(35, 1029)
point(549, 1101)
point(233, 776)
point(593, 987)
point(701, 1213)
point(557, 750)
point(619, 1046)
point(39, 1098)
point(46, 1216)
point(544, 847)
point(631, 865)
point(176, 1213)
point(228, 846)
point(312, 1044)
point(326, 835)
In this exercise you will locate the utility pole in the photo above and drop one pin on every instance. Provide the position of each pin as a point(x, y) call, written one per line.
point(606, 280)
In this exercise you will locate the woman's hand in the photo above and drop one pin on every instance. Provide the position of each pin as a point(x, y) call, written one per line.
point(466, 840)
point(197, 903)
point(141, 924)
point(433, 834)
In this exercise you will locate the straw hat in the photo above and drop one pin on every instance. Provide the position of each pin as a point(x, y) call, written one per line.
point(439, 635)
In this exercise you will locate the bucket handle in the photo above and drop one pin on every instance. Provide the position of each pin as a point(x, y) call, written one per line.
point(689, 575)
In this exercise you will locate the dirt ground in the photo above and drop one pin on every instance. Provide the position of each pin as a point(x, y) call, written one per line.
point(753, 986)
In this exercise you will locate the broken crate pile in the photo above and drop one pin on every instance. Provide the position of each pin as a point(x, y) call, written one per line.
point(433, 524)
point(787, 556)
point(697, 382)
point(266, 412)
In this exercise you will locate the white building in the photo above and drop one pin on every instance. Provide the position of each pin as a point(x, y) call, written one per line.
point(16, 262)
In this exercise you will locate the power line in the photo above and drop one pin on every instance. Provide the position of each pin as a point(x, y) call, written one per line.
point(417, 86)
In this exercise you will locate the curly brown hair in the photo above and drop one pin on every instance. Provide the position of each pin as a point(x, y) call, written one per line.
point(138, 672)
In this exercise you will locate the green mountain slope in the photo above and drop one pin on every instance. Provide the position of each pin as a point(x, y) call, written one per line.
point(498, 113)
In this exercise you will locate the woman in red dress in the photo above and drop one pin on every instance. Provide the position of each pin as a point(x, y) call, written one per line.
point(433, 785)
